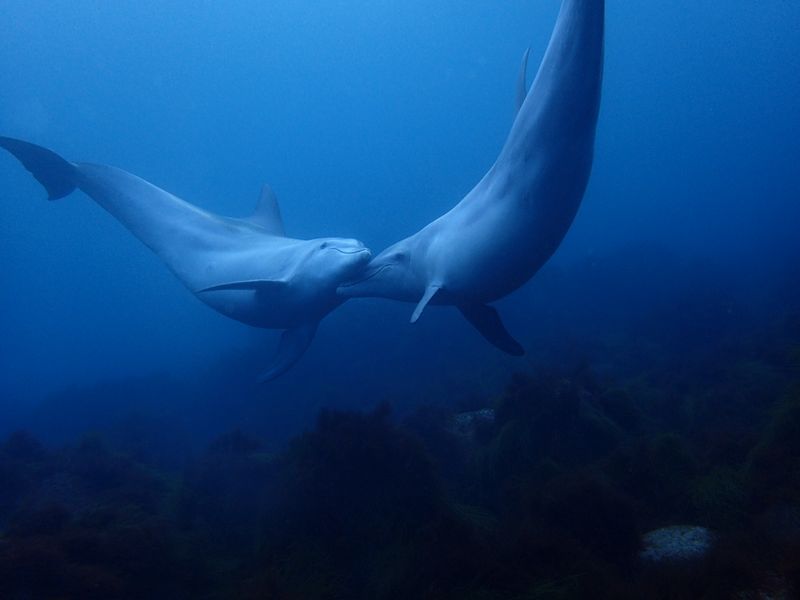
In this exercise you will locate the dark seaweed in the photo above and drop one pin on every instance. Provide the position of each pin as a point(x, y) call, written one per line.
point(547, 498)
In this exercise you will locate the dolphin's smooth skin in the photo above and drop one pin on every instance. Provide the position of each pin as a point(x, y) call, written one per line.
point(246, 269)
point(514, 219)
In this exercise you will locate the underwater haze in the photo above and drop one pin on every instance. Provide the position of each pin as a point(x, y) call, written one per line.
point(661, 384)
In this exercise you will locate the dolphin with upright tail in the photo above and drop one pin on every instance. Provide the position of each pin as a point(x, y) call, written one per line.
point(514, 219)
point(246, 269)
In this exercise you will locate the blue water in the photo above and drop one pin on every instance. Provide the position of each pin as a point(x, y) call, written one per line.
point(370, 119)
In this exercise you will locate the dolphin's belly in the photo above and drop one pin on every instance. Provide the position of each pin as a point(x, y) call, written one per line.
point(501, 252)
point(267, 310)
point(268, 297)
point(496, 273)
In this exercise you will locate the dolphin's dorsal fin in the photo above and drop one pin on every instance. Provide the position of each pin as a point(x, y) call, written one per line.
point(294, 342)
point(430, 292)
point(487, 321)
point(267, 214)
point(522, 86)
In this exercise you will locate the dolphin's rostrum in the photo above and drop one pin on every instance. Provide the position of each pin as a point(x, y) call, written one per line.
point(246, 269)
point(514, 219)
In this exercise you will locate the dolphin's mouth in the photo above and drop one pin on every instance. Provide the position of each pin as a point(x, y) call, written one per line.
point(377, 271)
point(355, 251)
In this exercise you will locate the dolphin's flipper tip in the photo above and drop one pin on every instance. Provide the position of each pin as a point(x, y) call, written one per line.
point(293, 344)
point(487, 321)
point(430, 292)
point(53, 172)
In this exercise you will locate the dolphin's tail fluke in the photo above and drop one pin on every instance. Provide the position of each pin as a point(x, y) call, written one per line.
point(53, 172)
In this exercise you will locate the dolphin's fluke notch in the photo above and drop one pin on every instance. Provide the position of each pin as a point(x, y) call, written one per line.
point(53, 172)
point(294, 343)
point(487, 321)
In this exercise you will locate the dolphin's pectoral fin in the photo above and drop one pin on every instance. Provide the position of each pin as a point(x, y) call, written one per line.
point(429, 294)
point(267, 214)
point(53, 172)
point(522, 86)
point(259, 285)
point(487, 321)
point(293, 344)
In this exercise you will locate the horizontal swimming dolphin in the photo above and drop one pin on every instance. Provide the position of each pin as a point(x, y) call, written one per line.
point(246, 269)
point(514, 219)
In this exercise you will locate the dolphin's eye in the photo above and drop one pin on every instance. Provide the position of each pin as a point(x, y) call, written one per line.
point(324, 245)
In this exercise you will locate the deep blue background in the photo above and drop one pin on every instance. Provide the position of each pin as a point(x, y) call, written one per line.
point(369, 119)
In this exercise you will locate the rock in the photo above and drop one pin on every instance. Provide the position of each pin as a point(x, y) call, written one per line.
point(465, 423)
point(677, 543)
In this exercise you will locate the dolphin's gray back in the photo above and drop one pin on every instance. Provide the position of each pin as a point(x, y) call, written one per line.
point(156, 217)
point(555, 127)
point(201, 248)
point(180, 233)
point(514, 219)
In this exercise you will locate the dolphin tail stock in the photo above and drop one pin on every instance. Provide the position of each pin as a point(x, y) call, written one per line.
point(487, 321)
point(58, 176)
point(293, 344)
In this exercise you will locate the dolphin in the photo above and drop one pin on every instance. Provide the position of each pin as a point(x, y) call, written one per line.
point(246, 269)
point(513, 220)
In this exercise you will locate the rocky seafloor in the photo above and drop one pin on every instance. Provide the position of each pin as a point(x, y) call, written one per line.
point(679, 481)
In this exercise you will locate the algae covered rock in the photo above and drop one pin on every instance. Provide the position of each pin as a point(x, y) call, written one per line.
point(677, 543)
